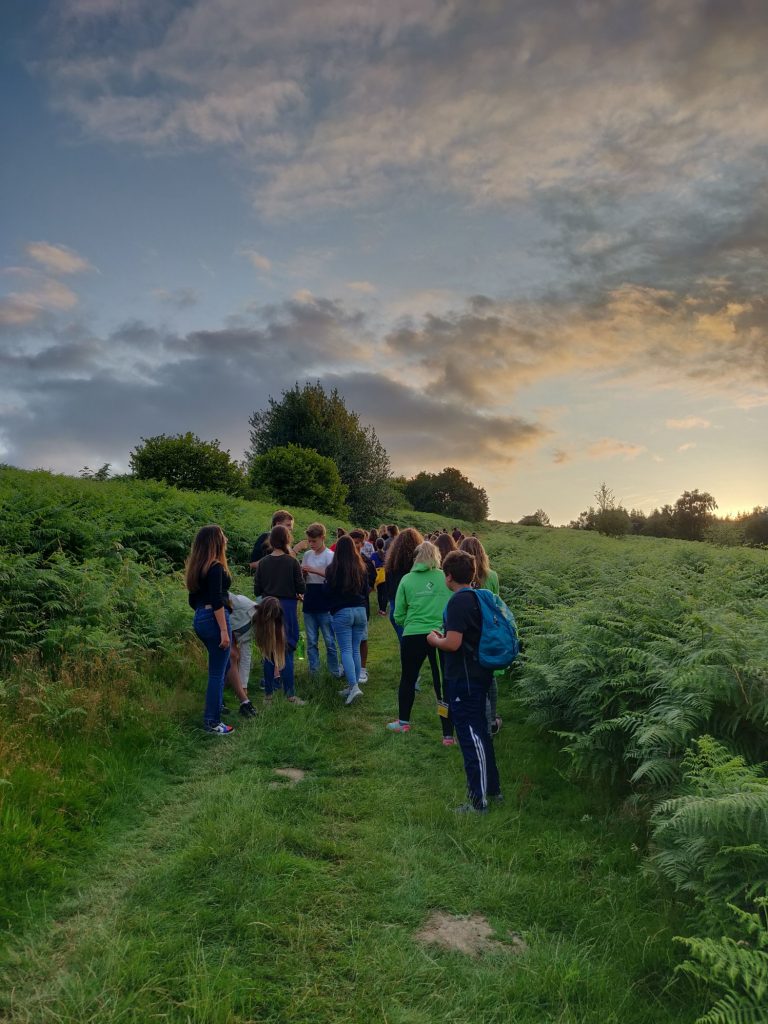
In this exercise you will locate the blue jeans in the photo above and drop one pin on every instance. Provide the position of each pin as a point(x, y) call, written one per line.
point(397, 629)
point(209, 631)
point(351, 628)
point(291, 643)
point(316, 623)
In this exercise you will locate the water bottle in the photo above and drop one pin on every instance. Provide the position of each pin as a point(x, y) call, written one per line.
point(301, 646)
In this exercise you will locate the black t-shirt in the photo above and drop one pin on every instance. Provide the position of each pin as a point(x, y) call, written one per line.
point(213, 590)
point(462, 615)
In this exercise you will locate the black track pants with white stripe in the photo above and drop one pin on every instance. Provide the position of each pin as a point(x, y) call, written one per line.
point(466, 700)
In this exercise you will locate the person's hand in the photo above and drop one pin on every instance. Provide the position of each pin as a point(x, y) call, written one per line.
point(224, 644)
point(301, 546)
point(433, 637)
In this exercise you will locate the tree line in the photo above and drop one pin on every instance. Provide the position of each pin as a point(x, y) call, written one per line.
point(307, 449)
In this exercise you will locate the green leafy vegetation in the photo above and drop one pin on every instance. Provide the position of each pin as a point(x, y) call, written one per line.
point(644, 662)
point(299, 476)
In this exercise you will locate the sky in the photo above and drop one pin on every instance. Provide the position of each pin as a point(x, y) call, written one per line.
point(525, 238)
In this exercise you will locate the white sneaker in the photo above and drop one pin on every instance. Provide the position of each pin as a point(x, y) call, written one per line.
point(344, 691)
point(354, 692)
point(363, 676)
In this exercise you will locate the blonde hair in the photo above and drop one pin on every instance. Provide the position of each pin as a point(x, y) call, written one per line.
point(482, 566)
point(209, 546)
point(427, 554)
point(269, 631)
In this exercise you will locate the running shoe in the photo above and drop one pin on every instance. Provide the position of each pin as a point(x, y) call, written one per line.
point(247, 710)
point(363, 676)
point(449, 741)
point(353, 694)
point(398, 726)
point(344, 691)
point(220, 729)
point(470, 808)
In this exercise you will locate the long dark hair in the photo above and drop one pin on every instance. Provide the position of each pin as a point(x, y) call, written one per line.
point(280, 539)
point(269, 630)
point(445, 543)
point(209, 546)
point(401, 551)
point(346, 572)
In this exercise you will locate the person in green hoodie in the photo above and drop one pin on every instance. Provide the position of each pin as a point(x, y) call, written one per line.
point(419, 605)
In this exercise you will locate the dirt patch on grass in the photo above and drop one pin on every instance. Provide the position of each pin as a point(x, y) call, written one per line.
point(469, 935)
point(288, 777)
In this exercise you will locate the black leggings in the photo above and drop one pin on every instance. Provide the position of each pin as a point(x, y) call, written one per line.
point(381, 594)
point(413, 650)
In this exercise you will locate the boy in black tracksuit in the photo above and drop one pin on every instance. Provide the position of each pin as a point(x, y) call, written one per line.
point(466, 682)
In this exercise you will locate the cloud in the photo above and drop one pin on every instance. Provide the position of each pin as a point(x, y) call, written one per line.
point(609, 448)
point(365, 287)
point(257, 260)
point(688, 423)
point(337, 104)
point(57, 259)
point(22, 309)
point(178, 298)
point(687, 447)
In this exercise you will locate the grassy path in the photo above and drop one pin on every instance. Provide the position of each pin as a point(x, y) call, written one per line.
point(235, 903)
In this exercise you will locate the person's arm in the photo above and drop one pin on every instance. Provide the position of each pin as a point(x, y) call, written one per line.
point(298, 579)
point(452, 640)
point(216, 591)
point(258, 582)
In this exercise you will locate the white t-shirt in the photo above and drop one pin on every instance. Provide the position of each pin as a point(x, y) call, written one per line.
point(241, 615)
point(320, 560)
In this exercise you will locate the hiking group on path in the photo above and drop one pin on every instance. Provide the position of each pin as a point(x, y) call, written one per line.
point(440, 593)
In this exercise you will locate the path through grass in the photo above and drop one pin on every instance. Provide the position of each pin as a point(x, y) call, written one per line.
point(237, 902)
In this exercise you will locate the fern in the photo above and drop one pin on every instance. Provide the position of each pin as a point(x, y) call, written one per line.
point(739, 968)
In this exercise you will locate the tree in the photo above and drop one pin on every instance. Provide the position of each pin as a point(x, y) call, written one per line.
point(539, 518)
point(183, 460)
point(586, 520)
point(299, 476)
point(756, 527)
point(659, 523)
point(312, 417)
point(448, 493)
point(102, 473)
point(692, 514)
point(613, 522)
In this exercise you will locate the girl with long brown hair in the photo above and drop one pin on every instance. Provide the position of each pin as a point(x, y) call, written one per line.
point(445, 544)
point(399, 563)
point(347, 588)
point(208, 581)
point(278, 575)
point(269, 632)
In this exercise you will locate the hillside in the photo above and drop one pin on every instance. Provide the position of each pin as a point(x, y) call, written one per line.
point(183, 883)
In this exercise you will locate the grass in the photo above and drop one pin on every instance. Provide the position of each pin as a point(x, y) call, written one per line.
point(212, 898)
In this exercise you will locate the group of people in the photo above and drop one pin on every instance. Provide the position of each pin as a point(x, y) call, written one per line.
point(425, 586)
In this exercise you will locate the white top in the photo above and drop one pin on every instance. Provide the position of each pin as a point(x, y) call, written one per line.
point(319, 560)
point(241, 614)
point(368, 549)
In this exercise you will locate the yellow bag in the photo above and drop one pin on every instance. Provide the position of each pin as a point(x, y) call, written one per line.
point(380, 575)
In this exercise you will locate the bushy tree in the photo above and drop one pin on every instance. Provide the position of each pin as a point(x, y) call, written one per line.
point(613, 522)
point(448, 493)
point(692, 513)
point(660, 523)
point(538, 518)
point(585, 521)
point(312, 417)
point(102, 473)
point(300, 476)
point(185, 461)
point(756, 527)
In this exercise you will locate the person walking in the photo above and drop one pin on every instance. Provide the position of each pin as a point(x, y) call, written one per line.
point(419, 607)
point(278, 574)
point(487, 579)
point(208, 580)
point(347, 589)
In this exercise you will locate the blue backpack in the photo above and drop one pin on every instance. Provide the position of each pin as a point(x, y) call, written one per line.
point(499, 644)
